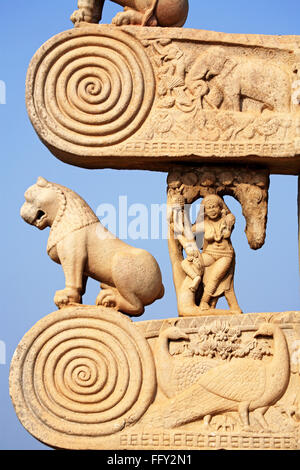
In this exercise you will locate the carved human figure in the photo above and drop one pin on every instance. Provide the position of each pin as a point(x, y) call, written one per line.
point(215, 265)
point(172, 73)
point(193, 266)
point(136, 12)
point(130, 278)
point(217, 251)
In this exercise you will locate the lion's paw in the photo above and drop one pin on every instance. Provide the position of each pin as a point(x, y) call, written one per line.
point(109, 302)
point(127, 17)
point(66, 297)
point(106, 298)
point(77, 17)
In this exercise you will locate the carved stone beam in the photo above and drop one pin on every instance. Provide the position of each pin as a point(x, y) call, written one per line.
point(142, 98)
point(86, 378)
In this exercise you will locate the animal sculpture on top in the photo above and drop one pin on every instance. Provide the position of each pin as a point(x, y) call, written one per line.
point(136, 12)
point(130, 277)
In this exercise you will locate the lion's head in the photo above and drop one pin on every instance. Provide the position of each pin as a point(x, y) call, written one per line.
point(41, 206)
point(52, 205)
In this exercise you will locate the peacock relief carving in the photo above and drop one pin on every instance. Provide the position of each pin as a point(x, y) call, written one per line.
point(241, 385)
point(175, 375)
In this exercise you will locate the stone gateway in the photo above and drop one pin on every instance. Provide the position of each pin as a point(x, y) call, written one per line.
point(218, 113)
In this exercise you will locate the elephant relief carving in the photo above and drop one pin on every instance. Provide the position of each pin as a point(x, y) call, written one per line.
point(224, 82)
point(136, 12)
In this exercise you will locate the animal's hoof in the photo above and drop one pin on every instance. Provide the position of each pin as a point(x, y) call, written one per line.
point(66, 297)
point(236, 311)
point(265, 431)
point(204, 306)
point(249, 429)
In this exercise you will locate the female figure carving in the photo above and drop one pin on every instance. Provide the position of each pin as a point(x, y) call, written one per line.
point(211, 271)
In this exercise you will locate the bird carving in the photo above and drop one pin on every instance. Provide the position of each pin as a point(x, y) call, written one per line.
point(241, 385)
point(176, 375)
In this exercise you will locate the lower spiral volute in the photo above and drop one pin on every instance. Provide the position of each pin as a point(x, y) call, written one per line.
point(82, 372)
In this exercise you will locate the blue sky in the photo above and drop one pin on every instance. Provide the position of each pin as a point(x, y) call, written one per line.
point(265, 281)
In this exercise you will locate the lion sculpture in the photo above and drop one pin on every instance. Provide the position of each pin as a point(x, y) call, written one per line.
point(130, 278)
point(136, 12)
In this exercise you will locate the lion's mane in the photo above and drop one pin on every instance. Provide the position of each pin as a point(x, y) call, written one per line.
point(73, 214)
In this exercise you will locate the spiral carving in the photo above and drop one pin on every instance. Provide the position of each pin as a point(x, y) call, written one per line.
point(89, 88)
point(84, 371)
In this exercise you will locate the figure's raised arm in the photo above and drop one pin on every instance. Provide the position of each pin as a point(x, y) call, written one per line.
point(230, 221)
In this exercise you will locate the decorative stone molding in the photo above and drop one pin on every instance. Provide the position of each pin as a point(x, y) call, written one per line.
point(80, 374)
point(100, 96)
point(85, 378)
